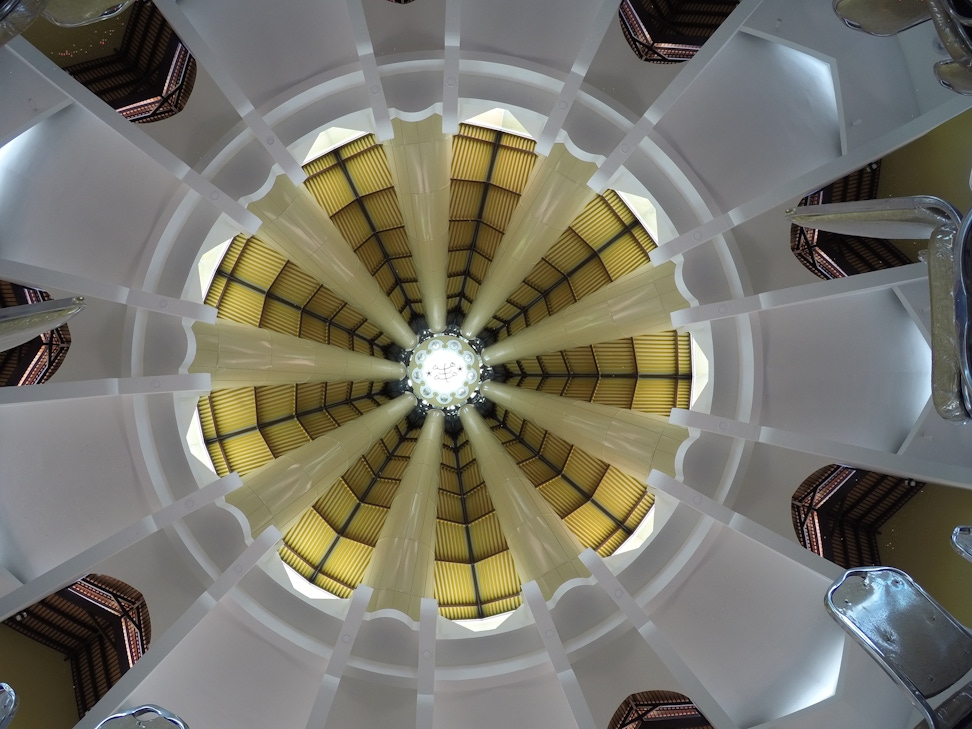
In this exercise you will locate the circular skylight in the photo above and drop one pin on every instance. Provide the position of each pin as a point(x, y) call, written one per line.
point(444, 371)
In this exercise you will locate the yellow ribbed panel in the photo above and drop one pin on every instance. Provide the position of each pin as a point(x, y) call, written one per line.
point(590, 525)
point(241, 304)
point(487, 537)
point(296, 563)
point(333, 586)
point(454, 587)
point(216, 290)
point(284, 437)
point(337, 503)
point(386, 215)
point(562, 497)
point(259, 266)
point(247, 452)
point(451, 544)
point(365, 526)
point(616, 393)
point(498, 578)
point(328, 305)
point(280, 317)
point(233, 409)
point(307, 541)
point(349, 561)
point(615, 357)
point(293, 284)
point(502, 606)
point(589, 278)
point(538, 469)
point(584, 469)
point(619, 493)
point(449, 505)
point(275, 401)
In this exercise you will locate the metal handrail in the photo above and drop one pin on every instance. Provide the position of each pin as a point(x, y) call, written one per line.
point(145, 709)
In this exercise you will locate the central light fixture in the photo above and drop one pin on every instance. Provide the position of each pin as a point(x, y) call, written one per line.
point(444, 371)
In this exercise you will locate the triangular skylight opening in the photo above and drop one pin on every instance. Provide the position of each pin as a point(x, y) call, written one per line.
point(329, 139)
point(500, 119)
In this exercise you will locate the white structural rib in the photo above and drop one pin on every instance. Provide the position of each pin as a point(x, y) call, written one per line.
point(596, 30)
point(132, 134)
point(339, 658)
point(224, 79)
point(81, 564)
point(665, 484)
point(402, 567)
point(920, 469)
point(450, 68)
point(369, 67)
point(818, 291)
point(198, 384)
point(784, 194)
point(425, 698)
point(668, 655)
point(26, 274)
point(544, 550)
point(558, 657)
point(169, 641)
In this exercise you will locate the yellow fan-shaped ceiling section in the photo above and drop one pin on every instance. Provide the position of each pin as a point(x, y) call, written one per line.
point(332, 542)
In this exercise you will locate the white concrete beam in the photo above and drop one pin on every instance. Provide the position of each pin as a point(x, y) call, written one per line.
point(132, 134)
point(164, 645)
point(690, 683)
point(558, 657)
point(796, 295)
point(796, 188)
point(37, 115)
point(369, 67)
point(82, 564)
point(450, 68)
point(223, 76)
point(687, 75)
point(425, 698)
point(920, 469)
point(50, 391)
point(26, 274)
point(662, 482)
point(339, 657)
point(596, 30)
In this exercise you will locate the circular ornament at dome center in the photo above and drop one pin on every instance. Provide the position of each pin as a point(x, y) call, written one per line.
point(444, 371)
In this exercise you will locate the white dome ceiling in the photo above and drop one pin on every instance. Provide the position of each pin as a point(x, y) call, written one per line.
point(720, 602)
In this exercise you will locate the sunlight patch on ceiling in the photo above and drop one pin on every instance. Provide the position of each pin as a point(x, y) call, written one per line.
point(499, 119)
point(331, 139)
point(483, 624)
point(640, 534)
point(304, 587)
point(197, 445)
point(700, 372)
point(209, 262)
point(643, 210)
